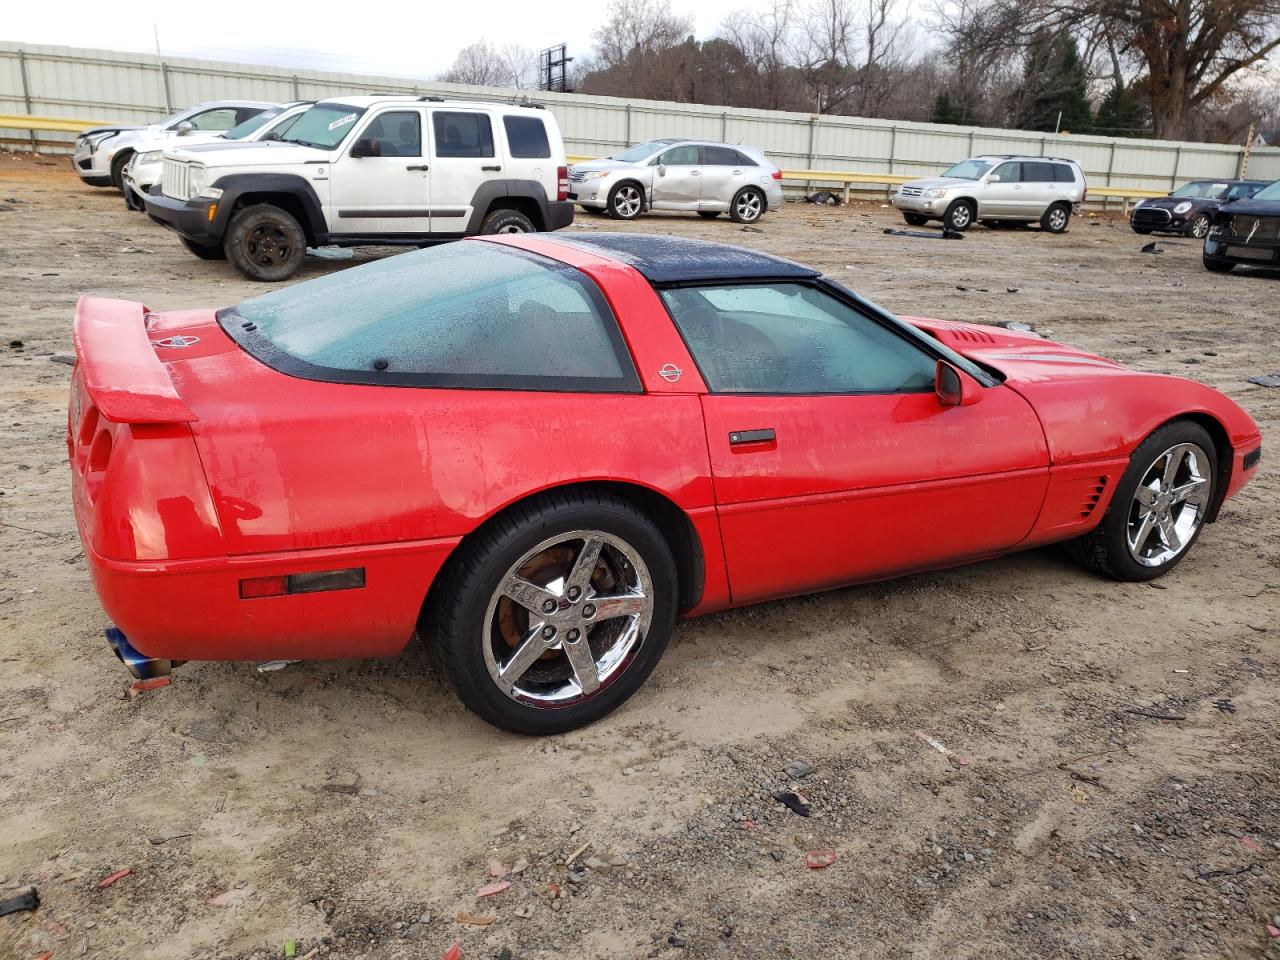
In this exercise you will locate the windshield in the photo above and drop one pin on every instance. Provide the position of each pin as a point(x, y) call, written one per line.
point(969, 169)
point(641, 151)
point(325, 125)
point(242, 130)
point(1202, 190)
point(1270, 192)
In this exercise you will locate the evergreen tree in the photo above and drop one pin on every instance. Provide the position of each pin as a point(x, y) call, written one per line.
point(1122, 114)
point(946, 110)
point(1055, 85)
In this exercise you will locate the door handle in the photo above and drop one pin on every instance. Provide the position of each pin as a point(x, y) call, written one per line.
point(416, 166)
point(695, 173)
point(495, 169)
point(738, 437)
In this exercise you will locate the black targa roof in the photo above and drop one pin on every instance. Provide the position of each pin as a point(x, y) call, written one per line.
point(663, 259)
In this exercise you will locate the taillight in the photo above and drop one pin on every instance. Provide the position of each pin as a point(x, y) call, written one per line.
point(320, 581)
point(562, 185)
point(777, 174)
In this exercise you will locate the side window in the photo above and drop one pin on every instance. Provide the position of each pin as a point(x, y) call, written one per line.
point(793, 339)
point(1010, 172)
point(527, 137)
point(283, 127)
point(398, 132)
point(744, 160)
point(721, 157)
point(224, 118)
point(690, 155)
point(462, 134)
point(246, 113)
point(1063, 173)
point(1037, 172)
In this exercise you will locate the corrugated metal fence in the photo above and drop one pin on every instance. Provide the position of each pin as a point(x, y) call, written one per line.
point(132, 87)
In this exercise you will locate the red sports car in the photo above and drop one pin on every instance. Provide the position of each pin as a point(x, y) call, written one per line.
point(543, 450)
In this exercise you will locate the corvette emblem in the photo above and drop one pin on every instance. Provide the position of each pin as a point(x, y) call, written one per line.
point(670, 373)
point(176, 342)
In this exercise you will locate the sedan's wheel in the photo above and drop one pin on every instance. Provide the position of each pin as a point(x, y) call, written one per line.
point(1142, 230)
point(556, 614)
point(1056, 218)
point(915, 219)
point(1158, 508)
point(626, 201)
point(1199, 227)
point(959, 216)
point(708, 214)
point(747, 206)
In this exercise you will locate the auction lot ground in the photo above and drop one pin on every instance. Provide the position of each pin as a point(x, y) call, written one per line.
point(354, 807)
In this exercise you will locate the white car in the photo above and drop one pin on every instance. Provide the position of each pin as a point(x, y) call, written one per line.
point(101, 153)
point(143, 170)
point(698, 176)
point(360, 171)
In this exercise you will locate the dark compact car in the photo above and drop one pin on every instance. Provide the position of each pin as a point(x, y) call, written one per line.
point(1189, 209)
point(1246, 232)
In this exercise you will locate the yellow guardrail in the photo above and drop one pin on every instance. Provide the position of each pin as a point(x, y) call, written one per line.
point(20, 121)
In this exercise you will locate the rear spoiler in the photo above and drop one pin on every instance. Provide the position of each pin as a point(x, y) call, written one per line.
point(119, 367)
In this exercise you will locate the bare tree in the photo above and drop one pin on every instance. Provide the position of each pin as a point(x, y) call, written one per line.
point(636, 29)
point(847, 52)
point(484, 65)
point(766, 39)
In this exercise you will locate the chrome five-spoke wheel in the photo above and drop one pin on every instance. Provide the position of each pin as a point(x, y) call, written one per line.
point(748, 206)
point(567, 618)
point(626, 201)
point(1169, 504)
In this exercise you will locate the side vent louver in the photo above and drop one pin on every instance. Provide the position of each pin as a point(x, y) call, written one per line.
point(1091, 501)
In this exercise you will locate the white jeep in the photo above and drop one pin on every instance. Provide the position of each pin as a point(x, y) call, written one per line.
point(362, 171)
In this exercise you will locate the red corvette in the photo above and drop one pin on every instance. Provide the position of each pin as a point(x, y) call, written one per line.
point(542, 450)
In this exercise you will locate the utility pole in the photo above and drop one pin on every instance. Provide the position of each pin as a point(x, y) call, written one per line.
point(1244, 154)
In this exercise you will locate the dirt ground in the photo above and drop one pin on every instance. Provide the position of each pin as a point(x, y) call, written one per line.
point(354, 807)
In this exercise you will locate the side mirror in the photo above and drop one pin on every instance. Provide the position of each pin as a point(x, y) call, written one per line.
point(369, 147)
point(994, 178)
point(185, 127)
point(662, 169)
point(955, 388)
point(269, 136)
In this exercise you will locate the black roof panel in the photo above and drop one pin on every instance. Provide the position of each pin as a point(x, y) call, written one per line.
point(664, 259)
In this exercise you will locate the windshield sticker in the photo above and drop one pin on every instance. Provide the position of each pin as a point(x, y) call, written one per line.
point(343, 121)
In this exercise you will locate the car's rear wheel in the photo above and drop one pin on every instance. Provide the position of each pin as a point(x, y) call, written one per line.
point(708, 214)
point(507, 221)
point(959, 216)
point(626, 201)
point(204, 251)
point(1158, 508)
point(1218, 266)
point(1056, 218)
point(915, 219)
point(265, 242)
point(1199, 227)
point(748, 206)
point(556, 613)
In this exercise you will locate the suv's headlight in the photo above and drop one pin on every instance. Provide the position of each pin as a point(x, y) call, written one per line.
point(196, 179)
point(936, 192)
point(1182, 207)
point(150, 157)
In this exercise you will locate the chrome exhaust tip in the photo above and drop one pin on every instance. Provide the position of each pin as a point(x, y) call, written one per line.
point(137, 663)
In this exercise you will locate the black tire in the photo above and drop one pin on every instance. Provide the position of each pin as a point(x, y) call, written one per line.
point(708, 214)
point(203, 251)
point(133, 200)
point(992, 224)
point(265, 243)
point(457, 615)
point(1106, 548)
point(1198, 228)
point(915, 219)
point(506, 220)
point(1218, 266)
point(1142, 230)
point(959, 216)
point(626, 201)
point(747, 206)
point(118, 164)
point(1056, 218)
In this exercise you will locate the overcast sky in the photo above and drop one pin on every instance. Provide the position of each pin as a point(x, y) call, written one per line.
point(394, 37)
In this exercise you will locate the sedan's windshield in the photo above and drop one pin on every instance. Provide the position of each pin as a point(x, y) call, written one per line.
point(240, 131)
point(1202, 190)
point(641, 151)
point(1270, 192)
point(325, 125)
point(969, 170)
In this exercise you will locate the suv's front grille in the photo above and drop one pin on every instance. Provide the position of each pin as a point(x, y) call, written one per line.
point(911, 191)
point(1255, 228)
point(175, 180)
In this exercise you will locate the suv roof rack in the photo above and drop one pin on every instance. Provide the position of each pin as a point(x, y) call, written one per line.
point(431, 98)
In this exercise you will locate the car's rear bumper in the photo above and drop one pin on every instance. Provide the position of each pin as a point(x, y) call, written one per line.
point(194, 219)
point(192, 609)
point(559, 214)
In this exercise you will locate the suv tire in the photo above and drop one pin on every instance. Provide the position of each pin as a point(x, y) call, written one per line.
point(959, 216)
point(203, 251)
point(1056, 218)
point(748, 206)
point(265, 243)
point(626, 201)
point(1214, 265)
point(915, 219)
point(506, 220)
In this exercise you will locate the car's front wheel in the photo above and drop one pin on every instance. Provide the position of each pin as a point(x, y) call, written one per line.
point(556, 613)
point(915, 219)
point(626, 201)
point(959, 216)
point(748, 206)
point(1199, 227)
point(1142, 230)
point(1158, 508)
point(265, 242)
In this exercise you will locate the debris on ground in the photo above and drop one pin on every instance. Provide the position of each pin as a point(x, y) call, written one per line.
point(925, 234)
point(819, 859)
point(454, 952)
point(750, 229)
point(290, 949)
point(139, 687)
point(495, 868)
point(1226, 706)
point(942, 748)
point(163, 838)
point(271, 666)
point(1152, 247)
point(491, 889)
point(1267, 379)
point(229, 897)
point(824, 197)
point(1154, 714)
point(331, 253)
point(111, 878)
point(577, 853)
point(1078, 795)
point(67, 358)
point(799, 769)
point(474, 919)
point(28, 898)
point(792, 802)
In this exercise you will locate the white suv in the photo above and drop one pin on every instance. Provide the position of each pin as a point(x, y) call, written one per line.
point(367, 170)
point(996, 190)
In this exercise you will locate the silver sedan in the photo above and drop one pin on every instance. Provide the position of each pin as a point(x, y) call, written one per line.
point(694, 175)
